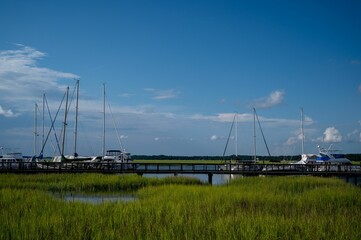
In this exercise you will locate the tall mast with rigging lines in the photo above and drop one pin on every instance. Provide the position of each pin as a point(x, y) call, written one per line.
point(76, 119)
point(103, 148)
point(64, 127)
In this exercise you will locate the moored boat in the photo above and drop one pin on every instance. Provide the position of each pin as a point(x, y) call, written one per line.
point(118, 156)
point(325, 156)
point(331, 156)
point(13, 160)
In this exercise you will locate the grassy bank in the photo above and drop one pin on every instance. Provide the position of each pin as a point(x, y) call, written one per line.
point(248, 208)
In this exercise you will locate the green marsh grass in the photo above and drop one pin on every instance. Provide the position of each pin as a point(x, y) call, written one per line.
point(87, 182)
point(247, 208)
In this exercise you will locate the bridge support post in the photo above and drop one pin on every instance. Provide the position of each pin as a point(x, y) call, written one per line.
point(210, 176)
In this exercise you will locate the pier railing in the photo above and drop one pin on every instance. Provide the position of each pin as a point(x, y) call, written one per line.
point(185, 168)
point(326, 170)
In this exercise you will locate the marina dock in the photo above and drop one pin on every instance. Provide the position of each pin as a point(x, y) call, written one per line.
point(324, 170)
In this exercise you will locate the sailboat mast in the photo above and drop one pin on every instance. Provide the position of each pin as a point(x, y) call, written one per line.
point(65, 116)
point(254, 134)
point(302, 133)
point(43, 122)
point(229, 136)
point(264, 139)
point(236, 136)
point(76, 118)
point(103, 150)
point(35, 128)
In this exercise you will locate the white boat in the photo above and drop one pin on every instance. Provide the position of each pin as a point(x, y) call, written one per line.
point(307, 159)
point(327, 160)
point(331, 156)
point(122, 159)
point(13, 160)
point(115, 156)
point(76, 158)
point(325, 156)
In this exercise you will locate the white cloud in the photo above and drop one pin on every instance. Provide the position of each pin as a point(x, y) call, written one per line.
point(163, 94)
point(247, 118)
point(275, 98)
point(291, 141)
point(214, 138)
point(126, 95)
point(307, 120)
point(352, 136)
point(331, 134)
point(22, 81)
point(224, 117)
point(156, 139)
point(7, 113)
point(296, 138)
point(123, 137)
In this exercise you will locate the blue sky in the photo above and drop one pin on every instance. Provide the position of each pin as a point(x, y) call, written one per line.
point(176, 72)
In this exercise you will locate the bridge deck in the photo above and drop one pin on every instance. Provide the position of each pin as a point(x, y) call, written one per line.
point(182, 168)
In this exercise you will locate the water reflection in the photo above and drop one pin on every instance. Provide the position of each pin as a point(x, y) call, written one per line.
point(218, 179)
point(96, 198)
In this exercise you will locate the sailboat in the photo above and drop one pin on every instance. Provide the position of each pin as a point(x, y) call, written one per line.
point(254, 160)
point(305, 158)
point(325, 155)
point(227, 166)
point(16, 159)
point(115, 155)
point(75, 157)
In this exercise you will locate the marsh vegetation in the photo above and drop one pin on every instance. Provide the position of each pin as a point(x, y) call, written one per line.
point(179, 208)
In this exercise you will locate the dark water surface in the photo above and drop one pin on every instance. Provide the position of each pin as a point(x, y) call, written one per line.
point(96, 198)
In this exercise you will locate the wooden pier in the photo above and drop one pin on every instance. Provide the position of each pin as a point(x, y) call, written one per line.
point(326, 170)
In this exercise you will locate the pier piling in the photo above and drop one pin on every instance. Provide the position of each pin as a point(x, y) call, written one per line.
point(210, 176)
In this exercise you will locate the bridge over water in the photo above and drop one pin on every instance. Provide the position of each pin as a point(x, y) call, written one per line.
point(325, 170)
